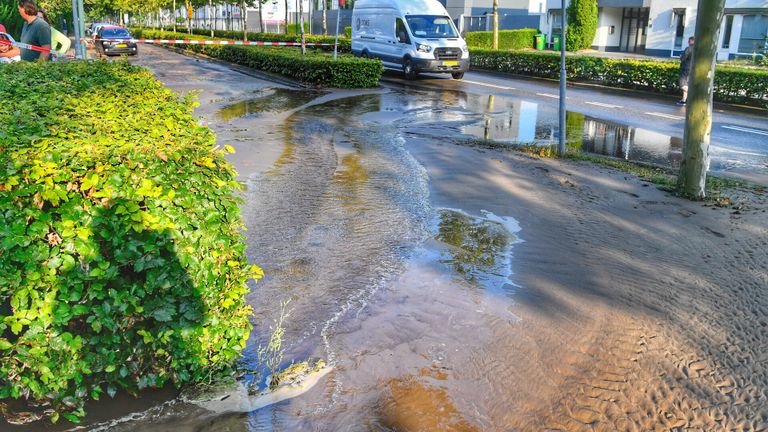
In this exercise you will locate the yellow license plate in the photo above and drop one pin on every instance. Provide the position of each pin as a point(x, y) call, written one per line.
point(122, 46)
point(450, 63)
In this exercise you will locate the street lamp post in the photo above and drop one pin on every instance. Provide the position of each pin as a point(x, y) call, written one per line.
point(563, 131)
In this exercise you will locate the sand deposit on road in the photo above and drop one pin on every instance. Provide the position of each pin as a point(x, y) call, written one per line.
point(640, 311)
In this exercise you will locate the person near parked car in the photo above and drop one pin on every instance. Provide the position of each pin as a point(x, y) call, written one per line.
point(35, 32)
point(685, 69)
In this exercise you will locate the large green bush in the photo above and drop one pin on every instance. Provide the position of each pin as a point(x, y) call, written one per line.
point(508, 39)
point(316, 68)
point(582, 24)
point(122, 263)
point(732, 84)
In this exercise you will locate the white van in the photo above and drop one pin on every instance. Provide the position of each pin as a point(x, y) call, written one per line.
point(409, 35)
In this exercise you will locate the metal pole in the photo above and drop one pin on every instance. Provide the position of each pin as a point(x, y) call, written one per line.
point(563, 131)
point(336, 45)
point(81, 25)
point(76, 29)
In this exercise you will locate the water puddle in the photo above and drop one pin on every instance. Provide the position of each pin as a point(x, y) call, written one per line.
point(269, 101)
point(478, 248)
point(459, 116)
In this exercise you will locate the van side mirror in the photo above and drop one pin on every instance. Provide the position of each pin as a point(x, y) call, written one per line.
point(402, 37)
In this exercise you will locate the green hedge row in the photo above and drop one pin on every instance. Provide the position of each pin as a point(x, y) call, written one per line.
point(315, 68)
point(293, 29)
point(122, 263)
point(732, 84)
point(508, 39)
point(345, 43)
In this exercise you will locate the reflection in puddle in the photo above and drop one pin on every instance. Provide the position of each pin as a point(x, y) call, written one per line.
point(274, 100)
point(522, 122)
point(515, 121)
point(478, 249)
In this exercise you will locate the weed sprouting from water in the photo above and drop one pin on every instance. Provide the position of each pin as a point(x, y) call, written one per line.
point(270, 356)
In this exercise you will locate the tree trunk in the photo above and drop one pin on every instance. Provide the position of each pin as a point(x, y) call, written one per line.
point(244, 18)
point(261, 17)
point(174, 16)
point(286, 16)
point(325, 20)
point(189, 18)
point(495, 24)
point(698, 119)
point(301, 25)
point(211, 16)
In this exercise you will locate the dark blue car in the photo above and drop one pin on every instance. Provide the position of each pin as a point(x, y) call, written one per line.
point(118, 41)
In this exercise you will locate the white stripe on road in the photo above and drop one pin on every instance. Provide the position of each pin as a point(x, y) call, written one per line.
point(488, 85)
point(548, 95)
point(666, 116)
point(745, 129)
point(604, 105)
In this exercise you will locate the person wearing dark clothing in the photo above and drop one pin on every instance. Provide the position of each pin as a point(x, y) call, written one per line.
point(685, 70)
point(35, 31)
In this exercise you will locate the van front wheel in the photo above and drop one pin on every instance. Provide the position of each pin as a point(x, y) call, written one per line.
point(457, 75)
point(408, 70)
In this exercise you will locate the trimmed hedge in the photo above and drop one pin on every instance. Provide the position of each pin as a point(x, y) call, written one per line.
point(732, 84)
point(348, 32)
point(293, 29)
point(508, 39)
point(122, 263)
point(315, 68)
point(345, 44)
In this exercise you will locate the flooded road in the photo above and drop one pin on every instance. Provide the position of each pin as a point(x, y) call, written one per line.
point(409, 297)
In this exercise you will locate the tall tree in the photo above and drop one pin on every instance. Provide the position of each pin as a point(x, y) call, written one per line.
point(698, 119)
point(495, 24)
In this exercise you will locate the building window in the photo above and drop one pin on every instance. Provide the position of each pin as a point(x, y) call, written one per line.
point(727, 32)
point(557, 23)
point(679, 23)
point(753, 30)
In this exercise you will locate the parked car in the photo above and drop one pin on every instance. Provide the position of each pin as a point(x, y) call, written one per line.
point(409, 35)
point(122, 45)
point(94, 27)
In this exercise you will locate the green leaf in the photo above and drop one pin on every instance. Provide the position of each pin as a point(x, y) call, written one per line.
point(5, 345)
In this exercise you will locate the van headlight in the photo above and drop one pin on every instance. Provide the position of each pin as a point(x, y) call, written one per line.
point(465, 48)
point(424, 48)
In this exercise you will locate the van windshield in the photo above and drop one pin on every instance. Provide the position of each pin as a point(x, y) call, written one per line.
point(431, 26)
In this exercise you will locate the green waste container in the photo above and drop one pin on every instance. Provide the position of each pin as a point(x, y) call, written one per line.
point(556, 43)
point(541, 41)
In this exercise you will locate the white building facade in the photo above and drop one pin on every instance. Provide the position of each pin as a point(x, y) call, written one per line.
point(652, 27)
point(662, 27)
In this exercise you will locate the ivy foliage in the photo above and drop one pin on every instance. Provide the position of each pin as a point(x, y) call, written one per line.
point(508, 39)
point(747, 86)
point(316, 68)
point(122, 263)
point(582, 24)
